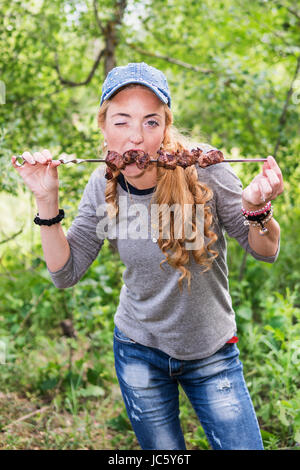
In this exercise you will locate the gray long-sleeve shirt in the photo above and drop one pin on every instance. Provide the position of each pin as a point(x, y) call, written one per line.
point(151, 309)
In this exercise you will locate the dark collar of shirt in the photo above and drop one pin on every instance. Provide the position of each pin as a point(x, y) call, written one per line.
point(132, 189)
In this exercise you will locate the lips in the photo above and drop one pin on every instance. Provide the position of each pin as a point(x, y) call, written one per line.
point(133, 150)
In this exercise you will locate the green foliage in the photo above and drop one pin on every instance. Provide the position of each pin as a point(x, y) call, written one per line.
point(240, 62)
point(246, 55)
point(75, 372)
point(270, 353)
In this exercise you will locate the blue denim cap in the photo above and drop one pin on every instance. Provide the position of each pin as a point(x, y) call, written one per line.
point(141, 73)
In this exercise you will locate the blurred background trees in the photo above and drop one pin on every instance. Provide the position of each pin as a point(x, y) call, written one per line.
point(233, 68)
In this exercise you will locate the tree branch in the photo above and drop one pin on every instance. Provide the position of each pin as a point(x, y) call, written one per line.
point(195, 68)
point(291, 10)
point(99, 22)
point(23, 418)
point(12, 236)
point(89, 77)
point(294, 12)
point(111, 38)
point(120, 9)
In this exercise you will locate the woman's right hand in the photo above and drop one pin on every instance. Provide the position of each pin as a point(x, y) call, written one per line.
point(39, 173)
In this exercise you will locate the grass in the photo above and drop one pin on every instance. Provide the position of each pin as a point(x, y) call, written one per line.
point(57, 429)
point(100, 424)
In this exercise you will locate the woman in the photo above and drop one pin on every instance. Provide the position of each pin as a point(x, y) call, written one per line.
point(175, 323)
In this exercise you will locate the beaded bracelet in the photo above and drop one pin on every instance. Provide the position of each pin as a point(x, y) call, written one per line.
point(260, 211)
point(49, 222)
point(259, 218)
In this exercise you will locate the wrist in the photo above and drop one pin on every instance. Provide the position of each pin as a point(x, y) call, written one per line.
point(47, 209)
point(252, 207)
point(50, 198)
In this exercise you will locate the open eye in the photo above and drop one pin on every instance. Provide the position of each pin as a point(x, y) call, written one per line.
point(154, 123)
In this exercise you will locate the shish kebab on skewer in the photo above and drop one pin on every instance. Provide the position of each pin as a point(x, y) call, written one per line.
point(116, 161)
point(185, 158)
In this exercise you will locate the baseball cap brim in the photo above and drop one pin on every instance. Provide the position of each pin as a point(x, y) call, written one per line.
point(155, 90)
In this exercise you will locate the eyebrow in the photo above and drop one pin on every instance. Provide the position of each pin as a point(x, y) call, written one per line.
point(128, 115)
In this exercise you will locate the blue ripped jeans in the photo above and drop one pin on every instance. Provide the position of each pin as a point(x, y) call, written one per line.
point(215, 386)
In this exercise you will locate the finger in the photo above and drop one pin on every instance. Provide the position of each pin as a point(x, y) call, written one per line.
point(39, 157)
point(252, 193)
point(14, 162)
point(28, 158)
point(271, 164)
point(266, 189)
point(275, 182)
point(47, 154)
point(255, 188)
point(256, 191)
point(55, 163)
point(257, 178)
point(273, 179)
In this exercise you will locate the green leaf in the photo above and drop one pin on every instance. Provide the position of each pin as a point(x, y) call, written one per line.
point(244, 312)
point(297, 436)
point(91, 391)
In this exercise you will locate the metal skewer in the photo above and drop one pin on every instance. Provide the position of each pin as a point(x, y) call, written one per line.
point(245, 160)
point(65, 161)
point(76, 160)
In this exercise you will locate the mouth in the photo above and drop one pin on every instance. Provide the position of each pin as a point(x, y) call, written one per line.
point(136, 157)
point(131, 165)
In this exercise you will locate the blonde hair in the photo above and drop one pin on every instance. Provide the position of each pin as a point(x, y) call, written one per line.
point(179, 186)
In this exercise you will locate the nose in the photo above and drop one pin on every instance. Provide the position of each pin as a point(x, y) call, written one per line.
point(136, 136)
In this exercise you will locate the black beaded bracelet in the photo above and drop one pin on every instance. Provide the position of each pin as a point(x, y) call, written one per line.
point(49, 222)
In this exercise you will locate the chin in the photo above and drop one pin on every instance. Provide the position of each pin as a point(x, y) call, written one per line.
point(132, 170)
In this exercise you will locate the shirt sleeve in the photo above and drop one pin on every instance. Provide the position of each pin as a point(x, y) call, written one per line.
point(228, 198)
point(82, 238)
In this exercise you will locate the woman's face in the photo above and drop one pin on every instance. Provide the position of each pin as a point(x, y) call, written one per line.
point(135, 120)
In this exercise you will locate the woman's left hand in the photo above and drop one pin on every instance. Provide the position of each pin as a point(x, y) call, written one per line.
point(265, 186)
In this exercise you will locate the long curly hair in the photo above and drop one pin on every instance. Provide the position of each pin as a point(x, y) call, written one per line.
point(180, 187)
